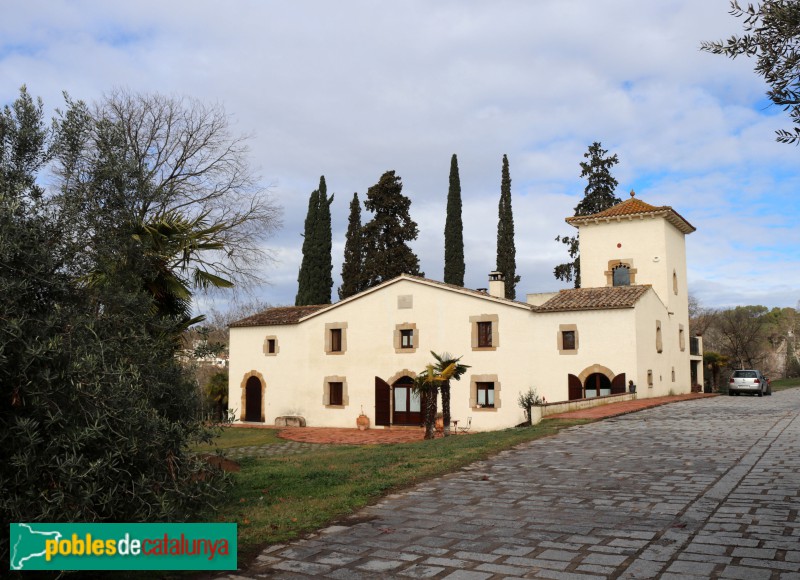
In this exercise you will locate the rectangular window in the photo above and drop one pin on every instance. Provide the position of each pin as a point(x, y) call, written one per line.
point(484, 334)
point(407, 338)
point(270, 346)
point(568, 340)
point(336, 340)
point(335, 390)
point(485, 394)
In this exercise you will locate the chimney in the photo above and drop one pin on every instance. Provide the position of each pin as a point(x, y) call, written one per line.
point(497, 285)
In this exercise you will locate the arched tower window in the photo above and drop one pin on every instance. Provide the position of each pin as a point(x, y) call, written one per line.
point(622, 275)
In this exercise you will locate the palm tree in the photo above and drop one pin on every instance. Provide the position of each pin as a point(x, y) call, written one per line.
point(443, 361)
point(427, 383)
point(172, 244)
point(173, 255)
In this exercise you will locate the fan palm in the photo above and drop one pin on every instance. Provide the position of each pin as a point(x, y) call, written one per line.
point(443, 361)
point(427, 383)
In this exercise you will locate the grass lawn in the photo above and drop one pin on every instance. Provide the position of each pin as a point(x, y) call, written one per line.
point(233, 437)
point(783, 384)
point(279, 498)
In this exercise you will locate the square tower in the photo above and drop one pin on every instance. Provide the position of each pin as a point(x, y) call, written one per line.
point(635, 243)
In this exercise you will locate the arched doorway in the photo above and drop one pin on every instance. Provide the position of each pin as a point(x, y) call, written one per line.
point(596, 385)
point(253, 401)
point(407, 404)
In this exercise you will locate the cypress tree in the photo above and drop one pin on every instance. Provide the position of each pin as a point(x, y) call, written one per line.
point(353, 265)
point(598, 196)
point(315, 281)
point(323, 278)
point(454, 230)
point(304, 276)
point(386, 252)
point(506, 250)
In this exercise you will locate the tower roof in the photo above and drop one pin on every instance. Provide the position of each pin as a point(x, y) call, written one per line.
point(634, 208)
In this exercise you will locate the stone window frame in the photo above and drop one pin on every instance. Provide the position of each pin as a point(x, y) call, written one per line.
point(623, 262)
point(650, 378)
point(328, 341)
point(681, 338)
point(495, 320)
point(673, 374)
point(275, 345)
point(675, 282)
point(562, 328)
point(473, 392)
point(398, 344)
point(659, 338)
point(326, 392)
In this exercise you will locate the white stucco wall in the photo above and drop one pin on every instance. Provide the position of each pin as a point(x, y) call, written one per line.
point(295, 377)
point(654, 246)
point(605, 338)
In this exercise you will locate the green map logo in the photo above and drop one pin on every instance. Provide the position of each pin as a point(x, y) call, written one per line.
point(29, 544)
point(54, 546)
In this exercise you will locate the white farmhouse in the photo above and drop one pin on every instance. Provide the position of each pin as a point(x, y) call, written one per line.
point(629, 322)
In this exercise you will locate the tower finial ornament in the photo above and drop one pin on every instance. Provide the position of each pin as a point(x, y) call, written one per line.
point(633, 193)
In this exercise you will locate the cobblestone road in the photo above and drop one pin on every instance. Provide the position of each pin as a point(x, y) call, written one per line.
point(706, 488)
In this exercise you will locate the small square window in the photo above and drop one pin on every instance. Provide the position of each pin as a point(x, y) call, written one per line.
point(484, 334)
point(485, 394)
point(336, 340)
point(622, 275)
point(568, 340)
point(335, 396)
point(407, 338)
point(271, 346)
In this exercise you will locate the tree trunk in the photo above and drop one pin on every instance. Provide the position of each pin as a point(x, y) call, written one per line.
point(446, 407)
point(430, 413)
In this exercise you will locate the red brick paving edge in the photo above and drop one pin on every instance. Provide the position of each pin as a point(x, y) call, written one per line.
point(351, 436)
point(627, 407)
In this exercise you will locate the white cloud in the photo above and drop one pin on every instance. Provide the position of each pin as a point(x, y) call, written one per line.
point(351, 89)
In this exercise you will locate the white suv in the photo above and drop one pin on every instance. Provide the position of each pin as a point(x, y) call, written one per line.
point(749, 381)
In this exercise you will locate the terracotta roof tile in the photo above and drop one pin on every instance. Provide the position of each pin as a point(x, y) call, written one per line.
point(279, 315)
point(594, 298)
point(633, 207)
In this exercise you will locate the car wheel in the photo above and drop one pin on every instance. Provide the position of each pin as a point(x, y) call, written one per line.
point(731, 393)
point(760, 394)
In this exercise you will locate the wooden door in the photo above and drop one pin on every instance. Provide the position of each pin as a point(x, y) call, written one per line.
point(407, 404)
point(618, 385)
point(575, 388)
point(383, 393)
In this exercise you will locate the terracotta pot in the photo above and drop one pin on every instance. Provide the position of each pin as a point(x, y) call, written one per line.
point(362, 422)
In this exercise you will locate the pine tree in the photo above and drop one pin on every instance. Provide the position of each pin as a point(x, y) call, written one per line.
point(314, 281)
point(506, 250)
point(353, 265)
point(386, 251)
point(454, 230)
point(598, 196)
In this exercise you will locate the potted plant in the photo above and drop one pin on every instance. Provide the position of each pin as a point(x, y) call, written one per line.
point(439, 422)
point(362, 421)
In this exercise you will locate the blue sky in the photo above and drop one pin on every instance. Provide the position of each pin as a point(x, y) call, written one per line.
point(351, 89)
